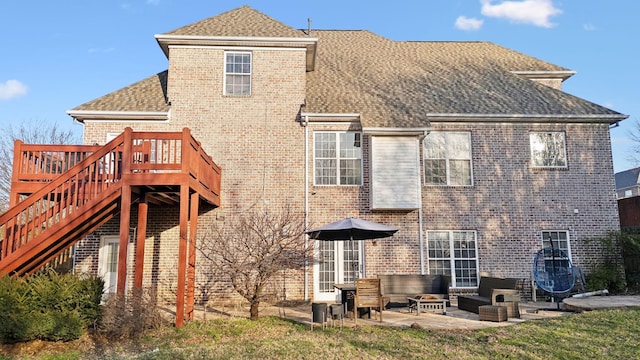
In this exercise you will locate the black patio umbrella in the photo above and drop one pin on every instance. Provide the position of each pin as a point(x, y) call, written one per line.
point(351, 229)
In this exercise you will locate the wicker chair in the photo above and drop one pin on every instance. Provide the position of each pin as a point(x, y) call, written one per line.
point(368, 295)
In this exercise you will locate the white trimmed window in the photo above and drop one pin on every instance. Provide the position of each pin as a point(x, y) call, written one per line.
point(560, 239)
point(548, 150)
point(447, 158)
point(237, 73)
point(454, 253)
point(337, 158)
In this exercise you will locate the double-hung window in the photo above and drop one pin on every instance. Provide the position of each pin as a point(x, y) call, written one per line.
point(337, 158)
point(454, 253)
point(552, 262)
point(237, 73)
point(548, 150)
point(447, 158)
point(559, 240)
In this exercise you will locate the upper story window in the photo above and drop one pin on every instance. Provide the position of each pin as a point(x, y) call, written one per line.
point(337, 158)
point(548, 150)
point(237, 73)
point(447, 158)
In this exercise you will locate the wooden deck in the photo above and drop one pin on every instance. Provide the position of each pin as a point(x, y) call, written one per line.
point(61, 193)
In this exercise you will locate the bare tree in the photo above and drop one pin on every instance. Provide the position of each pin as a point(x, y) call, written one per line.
point(634, 135)
point(33, 132)
point(251, 250)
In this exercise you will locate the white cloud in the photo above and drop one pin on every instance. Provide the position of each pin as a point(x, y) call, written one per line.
point(535, 12)
point(11, 89)
point(589, 27)
point(465, 23)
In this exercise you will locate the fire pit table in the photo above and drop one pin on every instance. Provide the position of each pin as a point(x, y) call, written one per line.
point(431, 303)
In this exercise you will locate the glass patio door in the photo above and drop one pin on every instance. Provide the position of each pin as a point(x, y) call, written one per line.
point(339, 262)
point(108, 263)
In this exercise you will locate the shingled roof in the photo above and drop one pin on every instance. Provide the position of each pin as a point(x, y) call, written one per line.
point(241, 22)
point(401, 84)
point(389, 83)
point(148, 95)
point(627, 178)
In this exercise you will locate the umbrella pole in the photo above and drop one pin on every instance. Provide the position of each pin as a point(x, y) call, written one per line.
point(354, 269)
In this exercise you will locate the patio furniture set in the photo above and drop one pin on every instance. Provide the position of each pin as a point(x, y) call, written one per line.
point(497, 298)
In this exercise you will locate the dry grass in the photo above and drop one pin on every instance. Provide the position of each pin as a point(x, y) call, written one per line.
point(597, 334)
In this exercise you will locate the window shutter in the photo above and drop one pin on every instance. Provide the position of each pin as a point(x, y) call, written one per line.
point(395, 172)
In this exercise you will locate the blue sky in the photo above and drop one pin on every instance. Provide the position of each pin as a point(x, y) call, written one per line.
point(56, 55)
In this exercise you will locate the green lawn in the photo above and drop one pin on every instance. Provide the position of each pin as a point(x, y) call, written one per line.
point(611, 334)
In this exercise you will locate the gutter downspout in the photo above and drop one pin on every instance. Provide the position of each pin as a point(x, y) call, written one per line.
point(305, 124)
point(420, 211)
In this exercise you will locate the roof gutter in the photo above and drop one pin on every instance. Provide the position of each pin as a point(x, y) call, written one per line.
point(83, 115)
point(564, 74)
point(421, 131)
point(330, 117)
point(310, 44)
point(526, 118)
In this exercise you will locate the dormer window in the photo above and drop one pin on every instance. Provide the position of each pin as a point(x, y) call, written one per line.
point(237, 73)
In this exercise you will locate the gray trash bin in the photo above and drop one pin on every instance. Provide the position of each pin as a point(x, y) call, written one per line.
point(319, 311)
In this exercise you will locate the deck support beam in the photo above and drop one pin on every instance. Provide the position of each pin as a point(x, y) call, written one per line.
point(191, 269)
point(125, 219)
point(182, 253)
point(143, 210)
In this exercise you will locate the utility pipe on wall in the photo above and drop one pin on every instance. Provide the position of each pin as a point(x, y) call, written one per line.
point(420, 211)
point(305, 124)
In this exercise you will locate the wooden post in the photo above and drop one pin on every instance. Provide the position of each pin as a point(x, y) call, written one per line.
point(191, 269)
point(14, 198)
point(125, 214)
point(143, 209)
point(182, 253)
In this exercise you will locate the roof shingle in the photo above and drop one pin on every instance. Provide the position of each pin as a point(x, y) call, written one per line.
point(396, 84)
point(241, 22)
point(148, 95)
point(390, 83)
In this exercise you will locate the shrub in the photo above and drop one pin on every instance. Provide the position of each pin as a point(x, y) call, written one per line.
point(609, 273)
point(48, 306)
point(130, 317)
point(630, 240)
point(608, 277)
point(13, 309)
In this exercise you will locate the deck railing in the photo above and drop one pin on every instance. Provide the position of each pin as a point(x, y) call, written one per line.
point(51, 182)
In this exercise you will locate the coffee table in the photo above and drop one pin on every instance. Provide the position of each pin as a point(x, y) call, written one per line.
point(431, 303)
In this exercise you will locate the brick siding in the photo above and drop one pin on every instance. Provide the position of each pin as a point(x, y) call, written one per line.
point(259, 143)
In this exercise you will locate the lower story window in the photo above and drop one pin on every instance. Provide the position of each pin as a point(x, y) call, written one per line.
point(454, 253)
point(557, 239)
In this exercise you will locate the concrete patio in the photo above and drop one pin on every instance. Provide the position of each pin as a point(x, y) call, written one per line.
point(401, 317)
point(464, 320)
point(454, 318)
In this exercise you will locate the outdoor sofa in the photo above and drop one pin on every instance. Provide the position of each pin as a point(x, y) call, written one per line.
point(396, 288)
point(491, 291)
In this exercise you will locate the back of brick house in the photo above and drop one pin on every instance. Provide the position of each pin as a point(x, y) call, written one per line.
point(471, 150)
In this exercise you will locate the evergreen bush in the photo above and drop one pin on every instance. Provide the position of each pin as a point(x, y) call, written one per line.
point(48, 306)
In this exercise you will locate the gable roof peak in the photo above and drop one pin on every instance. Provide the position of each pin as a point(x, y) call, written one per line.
point(244, 21)
point(243, 26)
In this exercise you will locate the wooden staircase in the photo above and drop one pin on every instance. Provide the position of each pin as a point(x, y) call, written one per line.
point(61, 193)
